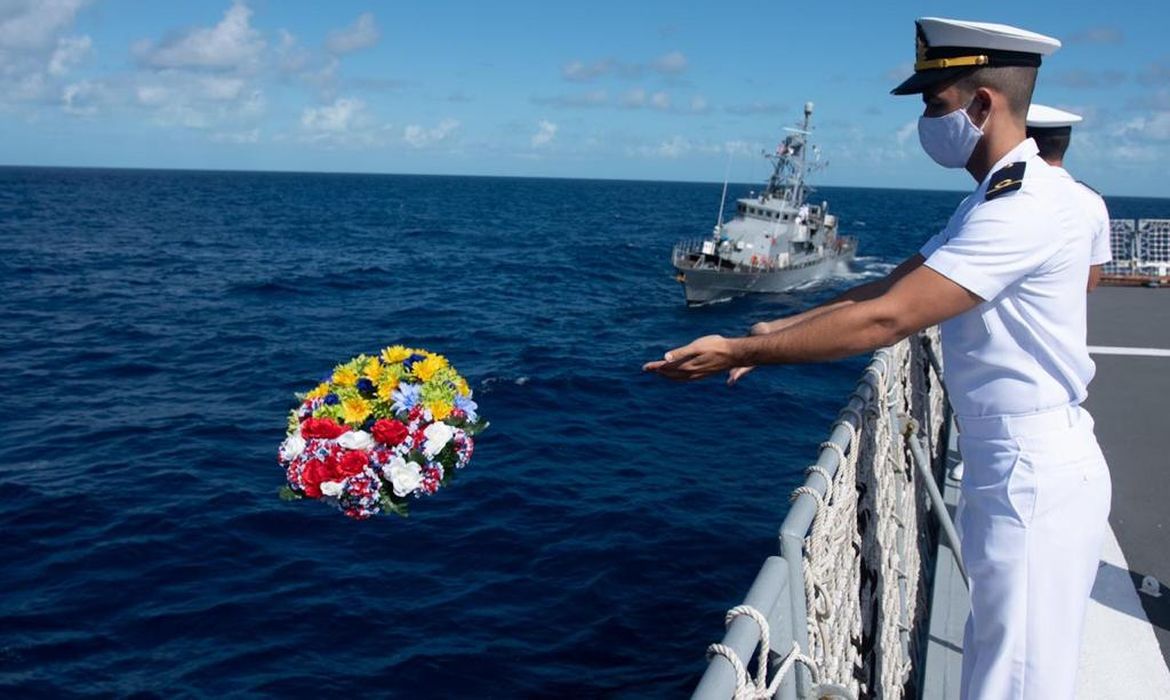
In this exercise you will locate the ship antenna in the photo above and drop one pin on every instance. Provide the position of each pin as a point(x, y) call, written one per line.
point(808, 110)
point(723, 198)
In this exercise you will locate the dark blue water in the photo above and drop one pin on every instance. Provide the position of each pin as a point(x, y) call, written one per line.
point(156, 324)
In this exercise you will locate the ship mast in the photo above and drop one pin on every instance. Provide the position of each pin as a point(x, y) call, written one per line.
point(789, 163)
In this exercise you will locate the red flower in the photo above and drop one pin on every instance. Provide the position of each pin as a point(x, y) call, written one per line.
point(389, 432)
point(352, 462)
point(314, 473)
point(321, 428)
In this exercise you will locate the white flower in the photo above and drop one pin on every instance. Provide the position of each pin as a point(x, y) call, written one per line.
point(331, 488)
point(292, 447)
point(404, 476)
point(356, 440)
point(437, 435)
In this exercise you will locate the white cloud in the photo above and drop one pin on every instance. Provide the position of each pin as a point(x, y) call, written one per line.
point(698, 104)
point(35, 24)
point(341, 116)
point(674, 147)
point(81, 99)
point(69, 52)
point(237, 137)
point(634, 98)
point(220, 89)
point(672, 63)
point(545, 133)
point(291, 57)
point(906, 131)
point(345, 122)
point(420, 137)
point(230, 44)
point(1154, 127)
point(660, 100)
point(757, 107)
point(35, 56)
point(581, 72)
point(592, 98)
point(669, 64)
point(194, 101)
point(363, 33)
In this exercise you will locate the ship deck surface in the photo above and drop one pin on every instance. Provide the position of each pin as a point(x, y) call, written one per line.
point(1126, 645)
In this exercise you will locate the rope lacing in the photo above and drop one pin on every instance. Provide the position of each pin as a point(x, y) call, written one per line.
point(758, 687)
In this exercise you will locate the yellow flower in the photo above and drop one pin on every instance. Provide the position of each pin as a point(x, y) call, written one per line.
point(344, 376)
point(426, 369)
point(354, 411)
point(439, 409)
point(386, 387)
point(373, 370)
point(320, 392)
point(461, 387)
point(395, 353)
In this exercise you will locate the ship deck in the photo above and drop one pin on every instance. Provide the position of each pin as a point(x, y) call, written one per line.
point(1126, 645)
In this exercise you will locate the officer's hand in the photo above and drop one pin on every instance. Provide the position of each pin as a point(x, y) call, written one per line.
point(738, 373)
point(701, 358)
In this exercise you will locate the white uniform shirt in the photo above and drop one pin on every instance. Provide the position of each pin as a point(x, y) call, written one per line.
point(1026, 254)
point(1095, 209)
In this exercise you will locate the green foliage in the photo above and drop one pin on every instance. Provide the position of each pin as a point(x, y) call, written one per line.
point(476, 428)
point(326, 411)
point(287, 494)
point(383, 409)
point(390, 503)
point(436, 392)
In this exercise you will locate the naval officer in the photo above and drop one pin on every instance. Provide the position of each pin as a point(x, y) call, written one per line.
point(1006, 279)
point(1051, 129)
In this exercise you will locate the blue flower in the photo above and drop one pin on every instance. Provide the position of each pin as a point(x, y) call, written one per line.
point(365, 386)
point(465, 404)
point(409, 362)
point(406, 396)
point(332, 400)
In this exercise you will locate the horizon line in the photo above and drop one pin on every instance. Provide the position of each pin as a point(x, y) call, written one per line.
point(12, 166)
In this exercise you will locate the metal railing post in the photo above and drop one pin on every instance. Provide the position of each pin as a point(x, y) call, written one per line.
point(792, 549)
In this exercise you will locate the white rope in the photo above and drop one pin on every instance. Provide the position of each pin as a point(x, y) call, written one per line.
point(758, 687)
point(864, 584)
point(857, 623)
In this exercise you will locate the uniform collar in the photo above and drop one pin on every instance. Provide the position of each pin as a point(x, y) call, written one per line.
point(1025, 150)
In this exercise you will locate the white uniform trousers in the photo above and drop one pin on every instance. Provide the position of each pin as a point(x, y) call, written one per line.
point(1032, 519)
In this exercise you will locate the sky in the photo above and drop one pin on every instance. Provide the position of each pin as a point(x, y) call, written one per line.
point(599, 89)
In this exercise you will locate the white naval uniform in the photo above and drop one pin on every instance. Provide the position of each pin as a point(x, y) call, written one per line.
point(1101, 251)
point(1036, 489)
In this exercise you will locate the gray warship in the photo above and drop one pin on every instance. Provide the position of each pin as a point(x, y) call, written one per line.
point(776, 241)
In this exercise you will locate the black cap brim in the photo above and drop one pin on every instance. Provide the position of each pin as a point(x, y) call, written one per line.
point(921, 80)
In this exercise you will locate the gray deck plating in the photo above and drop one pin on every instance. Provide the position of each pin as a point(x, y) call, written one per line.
point(1129, 403)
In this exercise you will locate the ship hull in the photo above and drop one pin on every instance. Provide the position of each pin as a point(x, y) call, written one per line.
point(704, 286)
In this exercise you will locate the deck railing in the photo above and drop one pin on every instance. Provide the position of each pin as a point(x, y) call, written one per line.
point(847, 594)
point(1141, 251)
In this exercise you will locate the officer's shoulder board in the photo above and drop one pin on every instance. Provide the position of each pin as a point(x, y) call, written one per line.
point(1007, 179)
point(1087, 185)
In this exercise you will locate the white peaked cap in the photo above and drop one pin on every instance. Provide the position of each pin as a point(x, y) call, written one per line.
point(947, 49)
point(1045, 117)
point(985, 35)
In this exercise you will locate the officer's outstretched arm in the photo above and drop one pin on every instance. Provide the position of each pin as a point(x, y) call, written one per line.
point(920, 299)
point(862, 292)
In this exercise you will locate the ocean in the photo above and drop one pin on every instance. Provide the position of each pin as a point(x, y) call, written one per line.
point(157, 323)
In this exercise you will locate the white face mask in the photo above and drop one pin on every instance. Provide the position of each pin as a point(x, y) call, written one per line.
point(950, 139)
